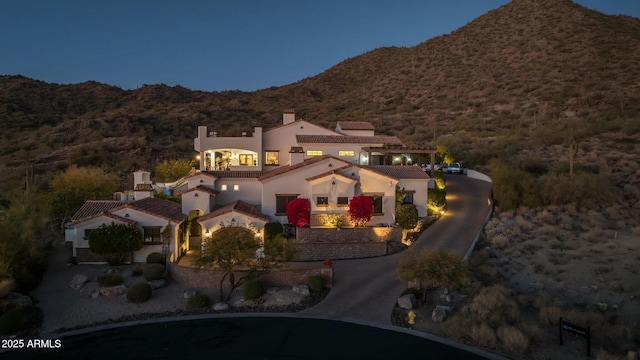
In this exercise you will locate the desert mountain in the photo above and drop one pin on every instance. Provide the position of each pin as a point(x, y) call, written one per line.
point(511, 83)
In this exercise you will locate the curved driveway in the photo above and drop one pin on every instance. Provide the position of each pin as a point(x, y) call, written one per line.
point(366, 290)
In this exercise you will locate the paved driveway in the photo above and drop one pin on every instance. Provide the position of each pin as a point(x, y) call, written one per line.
point(366, 290)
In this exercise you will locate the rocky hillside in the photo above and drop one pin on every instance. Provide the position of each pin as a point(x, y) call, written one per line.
point(510, 83)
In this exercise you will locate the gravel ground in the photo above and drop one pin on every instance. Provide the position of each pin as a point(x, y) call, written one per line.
point(65, 308)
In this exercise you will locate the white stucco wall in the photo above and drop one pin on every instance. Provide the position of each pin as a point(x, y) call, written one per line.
point(324, 187)
point(203, 201)
point(211, 225)
point(373, 183)
point(420, 196)
point(293, 182)
point(282, 138)
point(249, 191)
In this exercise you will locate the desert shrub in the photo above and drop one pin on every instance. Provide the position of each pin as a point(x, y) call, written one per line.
point(28, 276)
point(315, 283)
point(513, 340)
point(110, 280)
point(252, 289)
point(153, 272)
point(513, 187)
point(198, 301)
point(272, 229)
point(437, 200)
point(155, 258)
point(493, 306)
point(500, 241)
point(584, 190)
point(138, 293)
point(19, 319)
point(137, 271)
point(483, 335)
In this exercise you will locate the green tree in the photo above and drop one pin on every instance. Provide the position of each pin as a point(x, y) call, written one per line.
point(70, 189)
point(172, 170)
point(115, 241)
point(444, 155)
point(230, 249)
point(433, 269)
point(407, 217)
point(22, 224)
point(513, 187)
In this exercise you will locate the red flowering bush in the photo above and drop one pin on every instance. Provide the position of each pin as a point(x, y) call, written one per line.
point(360, 210)
point(298, 212)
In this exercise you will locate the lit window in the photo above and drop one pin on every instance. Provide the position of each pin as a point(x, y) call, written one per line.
point(322, 201)
point(272, 158)
point(346, 153)
point(236, 187)
point(223, 187)
point(314, 152)
point(246, 159)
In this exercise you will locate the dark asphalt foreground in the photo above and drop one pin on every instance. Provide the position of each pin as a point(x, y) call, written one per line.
point(260, 337)
point(352, 322)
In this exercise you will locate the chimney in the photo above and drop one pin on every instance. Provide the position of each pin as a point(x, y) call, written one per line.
point(296, 154)
point(288, 116)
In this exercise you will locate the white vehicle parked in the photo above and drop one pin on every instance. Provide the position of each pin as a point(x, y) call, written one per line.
point(452, 169)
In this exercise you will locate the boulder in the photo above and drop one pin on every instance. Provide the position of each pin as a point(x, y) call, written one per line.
point(238, 303)
point(157, 284)
point(95, 294)
point(221, 306)
point(78, 281)
point(407, 301)
point(188, 293)
point(113, 290)
point(440, 312)
point(272, 290)
point(438, 315)
point(301, 289)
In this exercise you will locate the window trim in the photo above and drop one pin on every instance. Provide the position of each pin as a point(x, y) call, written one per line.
point(154, 229)
point(324, 204)
point(344, 204)
point(381, 196)
point(294, 196)
point(266, 158)
point(408, 192)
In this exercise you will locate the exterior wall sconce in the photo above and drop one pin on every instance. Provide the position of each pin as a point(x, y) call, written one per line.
point(207, 233)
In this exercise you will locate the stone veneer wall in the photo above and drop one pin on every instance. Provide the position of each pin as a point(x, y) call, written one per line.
point(206, 278)
point(344, 243)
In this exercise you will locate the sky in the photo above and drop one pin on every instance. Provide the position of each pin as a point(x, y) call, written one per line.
point(216, 45)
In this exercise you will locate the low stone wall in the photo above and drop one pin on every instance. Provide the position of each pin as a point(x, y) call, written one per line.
point(206, 278)
point(346, 243)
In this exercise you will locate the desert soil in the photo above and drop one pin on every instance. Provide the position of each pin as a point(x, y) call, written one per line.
point(554, 261)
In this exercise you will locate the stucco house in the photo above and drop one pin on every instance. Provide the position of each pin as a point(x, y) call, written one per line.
point(249, 179)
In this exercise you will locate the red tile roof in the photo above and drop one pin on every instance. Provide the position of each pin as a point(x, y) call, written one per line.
point(240, 207)
point(399, 172)
point(93, 207)
point(159, 208)
point(195, 173)
point(202, 188)
point(333, 139)
point(333, 172)
point(355, 125)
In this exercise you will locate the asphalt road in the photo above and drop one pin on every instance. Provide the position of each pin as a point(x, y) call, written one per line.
point(366, 290)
